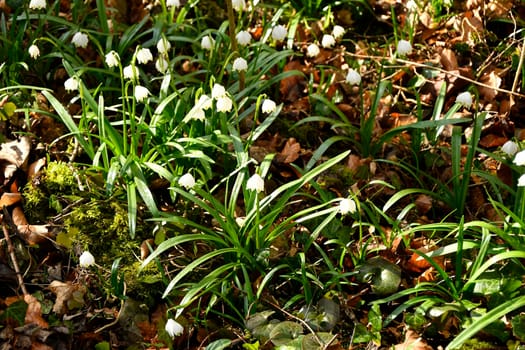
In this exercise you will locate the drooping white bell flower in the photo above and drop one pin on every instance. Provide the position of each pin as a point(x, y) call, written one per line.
point(238, 5)
point(353, 77)
point(240, 64)
point(255, 183)
point(130, 72)
point(80, 40)
point(243, 38)
point(161, 64)
point(464, 99)
point(404, 48)
point(34, 51)
point(312, 50)
point(338, 32)
point(268, 106)
point(224, 104)
point(347, 206)
point(112, 59)
point(217, 91)
point(196, 113)
point(327, 41)
point(71, 84)
point(144, 55)
point(187, 181)
point(173, 328)
point(86, 259)
point(205, 102)
point(163, 46)
point(141, 93)
point(510, 148)
point(279, 32)
point(519, 158)
point(521, 181)
point(37, 4)
point(207, 42)
point(172, 3)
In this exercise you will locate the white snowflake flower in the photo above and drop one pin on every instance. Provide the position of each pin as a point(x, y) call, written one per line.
point(224, 104)
point(141, 93)
point(268, 106)
point(255, 183)
point(521, 181)
point(353, 77)
point(346, 206)
point(80, 40)
point(510, 148)
point(217, 91)
point(519, 158)
point(238, 5)
point(196, 113)
point(71, 84)
point(279, 32)
point(112, 59)
point(163, 46)
point(338, 32)
point(172, 3)
point(187, 181)
point(173, 328)
point(464, 99)
point(204, 102)
point(144, 55)
point(240, 64)
point(86, 259)
point(207, 42)
point(34, 51)
point(37, 4)
point(161, 65)
point(312, 50)
point(243, 38)
point(411, 6)
point(327, 41)
point(131, 72)
point(404, 48)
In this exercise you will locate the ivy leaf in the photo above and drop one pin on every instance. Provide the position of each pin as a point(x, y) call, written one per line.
point(15, 313)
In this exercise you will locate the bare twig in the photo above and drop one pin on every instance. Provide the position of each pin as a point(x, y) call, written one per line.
point(11, 250)
point(456, 75)
point(301, 321)
point(518, 72)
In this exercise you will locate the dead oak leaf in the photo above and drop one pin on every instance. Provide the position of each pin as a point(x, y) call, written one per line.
point(290, 152)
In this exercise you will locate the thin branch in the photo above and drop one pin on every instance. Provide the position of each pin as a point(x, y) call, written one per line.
point(11, 250)
point(456, 75)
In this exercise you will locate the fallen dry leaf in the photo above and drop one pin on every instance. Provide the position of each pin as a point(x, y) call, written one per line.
point(423, 204)
point(492, 79)
point(448, 60)
point(291, 87)
point(9, 199)
point(413, 342)
point(34, 312)
point(69, 296)
point(290, 152)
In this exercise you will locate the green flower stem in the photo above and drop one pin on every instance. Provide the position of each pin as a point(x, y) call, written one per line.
point(520, 202)
point(257, 220)
point(231, 23)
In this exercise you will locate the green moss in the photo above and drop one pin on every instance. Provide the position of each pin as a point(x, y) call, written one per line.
point(144, 285)
point(50, 191)
point(92, 222)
